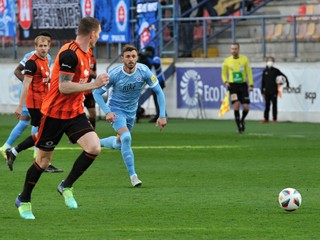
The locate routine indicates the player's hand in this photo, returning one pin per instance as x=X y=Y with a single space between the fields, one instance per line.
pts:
x=18 y=111
x=102 y=80
x=161 y=123
x=111 y=117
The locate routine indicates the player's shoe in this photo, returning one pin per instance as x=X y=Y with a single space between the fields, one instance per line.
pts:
x=10 y=158
x=3 y=151
x=53 y=169
x=136 y=182
x=67 y=193
x=242 y=126
x=25 y=209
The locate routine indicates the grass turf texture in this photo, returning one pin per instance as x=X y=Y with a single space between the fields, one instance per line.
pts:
x=201 y=180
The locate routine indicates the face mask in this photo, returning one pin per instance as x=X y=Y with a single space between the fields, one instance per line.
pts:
x=269 y=63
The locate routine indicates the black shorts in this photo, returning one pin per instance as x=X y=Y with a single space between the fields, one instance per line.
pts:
x=36 y=115
x=89 y=101
x=52 y=129
x=239 y=92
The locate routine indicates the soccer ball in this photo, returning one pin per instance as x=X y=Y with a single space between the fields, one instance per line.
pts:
x=290 y=199
x=280 y=79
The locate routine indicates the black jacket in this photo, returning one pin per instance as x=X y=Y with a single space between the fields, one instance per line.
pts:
x=269 y=85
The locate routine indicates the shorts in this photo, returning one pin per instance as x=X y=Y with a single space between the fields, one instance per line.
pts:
x=89 y=101
x=239 y=92
x=51 y=130
x=122 y=121
x=36 y=115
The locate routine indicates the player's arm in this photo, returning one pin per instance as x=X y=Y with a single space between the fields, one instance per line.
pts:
x=18 y=72
x=287 y=81
x=224 y=72
x=161 y=100
x=249 y=74
x=68 y=63
x=97 y=95
x=30 y=69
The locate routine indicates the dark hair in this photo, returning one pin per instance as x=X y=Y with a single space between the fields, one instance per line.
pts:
x=270 y=57
x=45 y=33
x=149 y=49
x=87 y=25
x=129 y=48
x=235 y=43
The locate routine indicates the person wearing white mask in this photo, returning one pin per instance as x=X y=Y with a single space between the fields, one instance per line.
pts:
x=269 y=89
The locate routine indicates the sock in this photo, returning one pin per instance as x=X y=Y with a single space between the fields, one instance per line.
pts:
x=27 y=143
x=110 y=142
x=237 y=117
x=17 y=131
x=127 y=153
x=32 y=177
x=79 y=167
x=244 y=114
x=92 y=120
x=34 y=130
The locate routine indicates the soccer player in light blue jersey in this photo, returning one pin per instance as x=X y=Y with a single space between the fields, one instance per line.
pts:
x=126 y=83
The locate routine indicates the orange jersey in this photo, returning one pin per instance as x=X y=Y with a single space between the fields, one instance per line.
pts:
x=93 y=67
x=37 y=69
x=73 y=61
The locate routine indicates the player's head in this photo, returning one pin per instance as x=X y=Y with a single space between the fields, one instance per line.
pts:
x=234 y=49
x=129 y=57
x=270 y=61
x=89 y=27
x=42 y=46
x=149 y=50
x=47 y=35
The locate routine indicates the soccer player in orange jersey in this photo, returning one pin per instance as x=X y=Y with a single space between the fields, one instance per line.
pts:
x=63 y=113
x=35 y=88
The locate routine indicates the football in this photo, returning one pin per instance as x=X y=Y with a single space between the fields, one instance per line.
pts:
x=280 y=79
x=290 y=199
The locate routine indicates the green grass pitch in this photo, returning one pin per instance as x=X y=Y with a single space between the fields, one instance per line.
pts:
x=201 y=180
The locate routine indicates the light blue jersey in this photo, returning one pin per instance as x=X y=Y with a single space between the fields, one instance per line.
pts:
x=125 y=89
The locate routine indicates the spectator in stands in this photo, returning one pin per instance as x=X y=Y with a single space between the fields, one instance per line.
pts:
x=209 y=6
x=269 y=88
x=236 y=74
x=186 y=28
x=149 y=58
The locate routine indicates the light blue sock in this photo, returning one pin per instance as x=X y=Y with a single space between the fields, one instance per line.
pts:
x=110 y=142
x=127 y=153
x=17 y=131
x=34 y=130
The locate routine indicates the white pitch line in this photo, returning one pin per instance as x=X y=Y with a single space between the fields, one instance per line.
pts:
x=163 y=147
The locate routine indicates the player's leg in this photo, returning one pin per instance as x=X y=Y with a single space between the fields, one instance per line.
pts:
x=123 y=127
x=90 y=104
x=79 y=131
x=267 y=107
x=112 y=142
x=45 y=152
x=274 y=100
x=245 y=100
x=16 y=132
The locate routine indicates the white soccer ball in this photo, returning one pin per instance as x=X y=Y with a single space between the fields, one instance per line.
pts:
x=290 y=199
x=280 y=79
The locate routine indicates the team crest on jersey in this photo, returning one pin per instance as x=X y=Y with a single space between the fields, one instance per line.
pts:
x=86 y=73
x=139 y=79
x=153 y=78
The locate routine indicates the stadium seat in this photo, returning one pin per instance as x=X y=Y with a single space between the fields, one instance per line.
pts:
x=311 y=29
x=316 y=11
x=287 y=30
x=316 y=34
x=301 y=31
x=269 y=31
x=277 y=31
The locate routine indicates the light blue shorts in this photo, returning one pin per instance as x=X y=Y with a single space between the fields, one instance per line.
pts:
x=122 y=121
